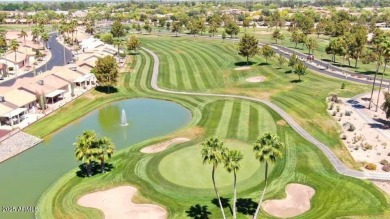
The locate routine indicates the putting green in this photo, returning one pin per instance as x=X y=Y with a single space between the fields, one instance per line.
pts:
x=184 y=167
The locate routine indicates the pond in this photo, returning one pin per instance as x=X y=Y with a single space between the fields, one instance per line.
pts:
x=25 y=177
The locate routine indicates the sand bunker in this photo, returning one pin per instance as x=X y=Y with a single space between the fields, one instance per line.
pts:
x=116 y=204
x=281 y=122
x=256 y=79
x=163 y=145
x=296 y=202
x=242 y=68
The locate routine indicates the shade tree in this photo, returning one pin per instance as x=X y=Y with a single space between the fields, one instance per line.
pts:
x=248 y=47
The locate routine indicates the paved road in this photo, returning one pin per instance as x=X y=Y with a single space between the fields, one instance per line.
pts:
x=337 y=164
x=57 y=59
x=282 y=50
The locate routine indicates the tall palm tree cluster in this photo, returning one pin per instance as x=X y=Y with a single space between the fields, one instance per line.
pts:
x=91 y=149
x=267 y=148
x=69 y=31
x=381 y=47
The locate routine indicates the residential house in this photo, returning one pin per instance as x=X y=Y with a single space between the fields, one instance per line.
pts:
x=14 y=60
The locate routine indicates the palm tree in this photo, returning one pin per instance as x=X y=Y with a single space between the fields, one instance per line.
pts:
x=379 y=44
x=232 y=160
x=3 y=43
x=85 y=151
x=267 y=149
x=45 y=38
x=386 y=57
x=212 y=153
x=35 y=33
x=62 y=30
x=14 y=47
x=24 y=35
x=105 y=148
x=3 y=48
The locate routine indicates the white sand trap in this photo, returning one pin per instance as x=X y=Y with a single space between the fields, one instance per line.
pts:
x=242 y=68
x=116 y=204
x=256 y=79
x=296 y=202
x=163 y=145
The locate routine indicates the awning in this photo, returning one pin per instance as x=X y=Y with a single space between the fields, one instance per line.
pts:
x=79 y=80
x=55 y=93
x=84 y=78
x=15 y=112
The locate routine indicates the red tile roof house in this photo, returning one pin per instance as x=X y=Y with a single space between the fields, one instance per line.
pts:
x=9 y=60
x=14 y=105
x=52 y=86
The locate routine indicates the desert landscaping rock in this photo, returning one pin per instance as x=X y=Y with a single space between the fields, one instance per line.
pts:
x=16 y=144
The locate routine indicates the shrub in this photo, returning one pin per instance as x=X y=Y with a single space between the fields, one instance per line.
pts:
x=334 y=113
x=351 y=128
x=343 y=85
x=370 y=166
x=366 y=146
x=341 y=114
x=384 y=162
x=348 y=113
x=386 y=168
x=331 y=106
x=334 y=98
x=338 y=108
x=10 y=68
x=358 y=138
x=343 y=136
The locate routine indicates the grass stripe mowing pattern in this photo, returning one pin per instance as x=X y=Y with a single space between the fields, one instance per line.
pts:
x=243 y=121
x=223 y=125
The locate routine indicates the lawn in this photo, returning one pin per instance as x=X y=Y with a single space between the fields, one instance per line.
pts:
x=265 y=36
x=238 y=122
x=11 y=27
x=209 y=66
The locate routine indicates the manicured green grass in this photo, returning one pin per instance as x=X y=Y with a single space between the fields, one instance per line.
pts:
x=305 y=101
x=179 y=167
x=265 y=35
x=11 y=27
x=336 y=195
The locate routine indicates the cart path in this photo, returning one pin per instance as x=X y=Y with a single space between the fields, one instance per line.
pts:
x=337 y=164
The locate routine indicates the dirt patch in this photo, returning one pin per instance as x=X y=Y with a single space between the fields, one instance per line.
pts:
x=163 y=145
x=363 y=130
x=281 y=123
x=256 y=79
x=242 y=68
x=384 y=186
x=296 y=202
x=116 y=203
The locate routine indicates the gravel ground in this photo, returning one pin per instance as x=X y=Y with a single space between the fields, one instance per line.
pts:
x=16 y=144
